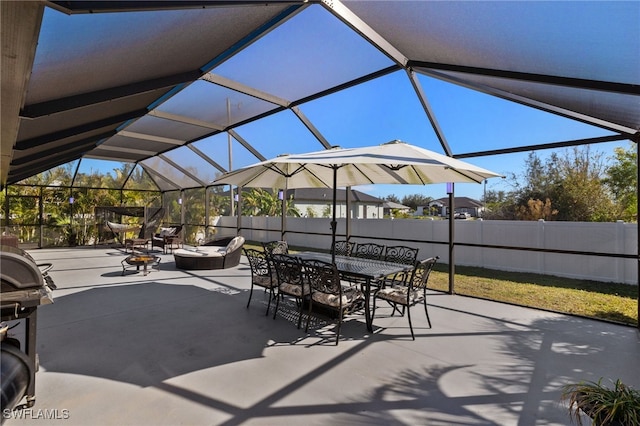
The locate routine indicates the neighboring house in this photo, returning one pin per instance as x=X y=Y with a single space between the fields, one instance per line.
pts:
x=389 y=206
x=440 y=207
x=317 y=202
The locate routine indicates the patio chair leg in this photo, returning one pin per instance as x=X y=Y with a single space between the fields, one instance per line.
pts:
x=427 y=312
x=300 y=314
x=410 y=325
x=306 y=329
x=339 y=326
x=277 y=304
x=250 y=294
x=373 y=311
x=393 y=305
x=269 y=303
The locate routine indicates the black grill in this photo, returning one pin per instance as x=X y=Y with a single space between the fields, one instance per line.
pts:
x=24 y=285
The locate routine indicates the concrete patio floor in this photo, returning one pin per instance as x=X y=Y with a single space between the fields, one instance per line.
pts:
x=180 y=348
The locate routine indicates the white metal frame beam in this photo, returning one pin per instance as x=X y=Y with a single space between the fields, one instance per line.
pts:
x=242 y=88
x=430 y=114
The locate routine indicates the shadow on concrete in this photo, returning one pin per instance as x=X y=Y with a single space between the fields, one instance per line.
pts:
x=147 y=333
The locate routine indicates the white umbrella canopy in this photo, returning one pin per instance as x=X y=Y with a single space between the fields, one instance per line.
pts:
x=394 y=162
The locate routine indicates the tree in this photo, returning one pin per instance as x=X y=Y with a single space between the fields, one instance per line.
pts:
x=261 y=202
x=415 y=200
x=622 y=180
x=326 y=212
x=393 y=198
x=499 y=205
x=219 y=202
x=582 y=195
x=536 y=210
x=258 y=202
x=571 y=181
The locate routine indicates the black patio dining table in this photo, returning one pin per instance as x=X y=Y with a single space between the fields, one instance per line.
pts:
x=367 y=270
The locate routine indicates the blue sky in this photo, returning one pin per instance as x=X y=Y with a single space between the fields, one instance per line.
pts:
x=314 y=51
x=471 y=121
x=385 y=109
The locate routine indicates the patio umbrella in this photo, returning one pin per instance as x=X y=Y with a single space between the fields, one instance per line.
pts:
x=394 y=162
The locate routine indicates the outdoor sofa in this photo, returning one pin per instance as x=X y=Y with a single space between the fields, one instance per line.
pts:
x=217 y=254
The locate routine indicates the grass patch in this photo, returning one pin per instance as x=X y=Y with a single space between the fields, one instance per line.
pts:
x=593 y=299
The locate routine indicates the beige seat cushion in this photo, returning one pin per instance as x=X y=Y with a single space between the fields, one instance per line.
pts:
x=211 y=251
x=349 y=295
x=234 y=243
x=265 y=281
x=200 y=253
x=399 y=295
x=165 y=232
x=294 y=289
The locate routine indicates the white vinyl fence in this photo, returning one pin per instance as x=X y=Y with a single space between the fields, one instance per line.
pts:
x=432 y=237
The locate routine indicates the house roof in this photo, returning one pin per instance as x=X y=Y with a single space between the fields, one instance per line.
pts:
x=392 y=205
x=459 y=202
x=324 y=194
x=153 y=83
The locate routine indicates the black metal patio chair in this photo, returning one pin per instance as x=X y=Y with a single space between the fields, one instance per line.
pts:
x=408 y=290
x=290 y=281
x=327 y=291
x=262 y=274
x=368 y=251
x=398 y=254
x=401 y=254
x=276 y=247
x=343 y=248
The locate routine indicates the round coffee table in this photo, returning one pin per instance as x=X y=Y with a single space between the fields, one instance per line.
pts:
x=143 y=260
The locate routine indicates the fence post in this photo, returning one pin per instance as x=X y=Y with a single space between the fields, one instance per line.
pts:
x=541 y=243
x=620 y=263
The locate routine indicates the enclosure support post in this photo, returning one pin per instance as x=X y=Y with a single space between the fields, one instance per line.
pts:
x=229 y=147
x=636 y=140
x=239 y=211
x=207 y=211
x=40 y=218
x=452 y=265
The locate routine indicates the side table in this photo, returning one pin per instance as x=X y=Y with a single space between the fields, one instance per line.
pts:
x=133 y=243
x=172 y=242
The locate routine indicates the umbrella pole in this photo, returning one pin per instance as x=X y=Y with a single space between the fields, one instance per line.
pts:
x=348 y=218
x=283 y=222
x=334 y=223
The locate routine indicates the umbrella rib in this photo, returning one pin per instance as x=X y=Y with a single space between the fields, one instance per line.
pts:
x=276 y=169
x=418 y=174
x=337 y=167
x=466 y=175
x=253 y=177
x=316 y=176
x=361 y=172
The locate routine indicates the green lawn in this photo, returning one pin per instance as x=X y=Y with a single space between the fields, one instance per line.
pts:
x=607 y=301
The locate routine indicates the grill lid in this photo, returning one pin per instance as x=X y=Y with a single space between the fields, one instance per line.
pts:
x=18 y=270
